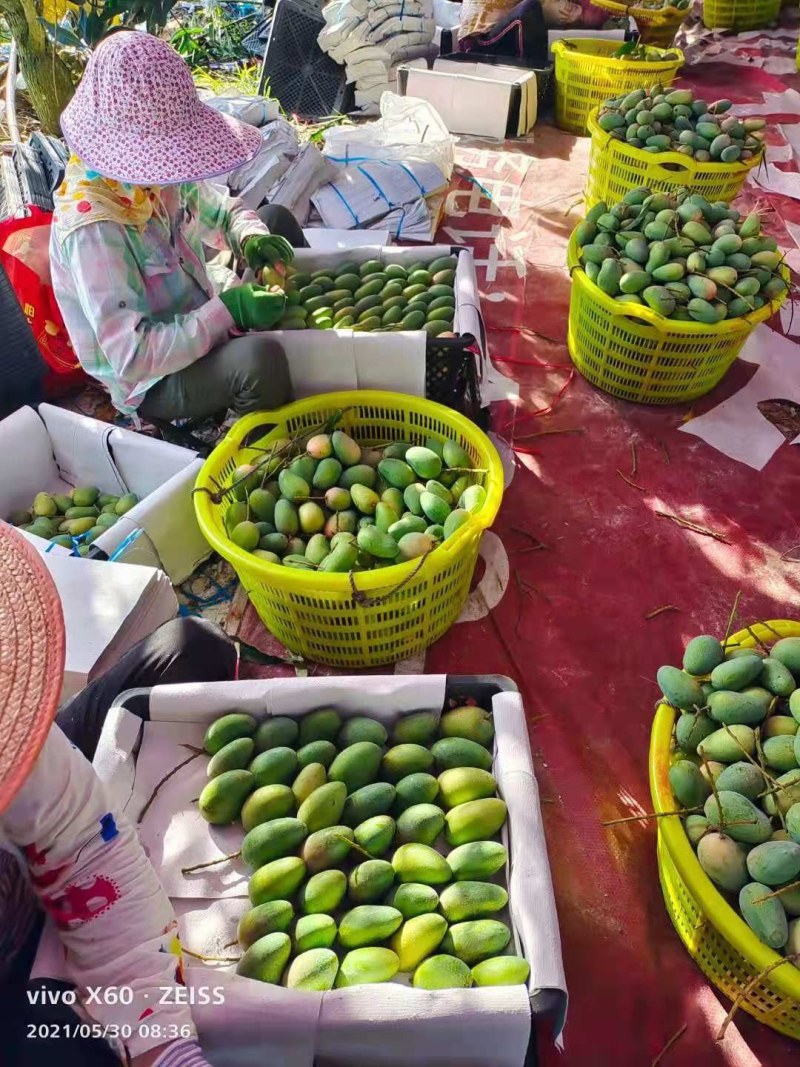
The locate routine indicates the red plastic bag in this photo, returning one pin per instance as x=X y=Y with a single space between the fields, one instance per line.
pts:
x=25 y=255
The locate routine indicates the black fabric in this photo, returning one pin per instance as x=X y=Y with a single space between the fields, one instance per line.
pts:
x=280 y=221
x=182 y=650
x=22 y=368
x=521 y=34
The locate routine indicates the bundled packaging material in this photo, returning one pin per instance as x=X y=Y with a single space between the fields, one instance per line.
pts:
x=370 y=37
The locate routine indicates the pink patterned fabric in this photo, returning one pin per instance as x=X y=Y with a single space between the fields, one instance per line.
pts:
x=136 y=118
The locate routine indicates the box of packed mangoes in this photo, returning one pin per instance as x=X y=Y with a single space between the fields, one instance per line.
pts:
x=406 y=320
x=358 y=863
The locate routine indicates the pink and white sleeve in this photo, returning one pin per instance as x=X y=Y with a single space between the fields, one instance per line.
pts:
x=93 y=878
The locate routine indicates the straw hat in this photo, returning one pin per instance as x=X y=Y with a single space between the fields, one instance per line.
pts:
x=31 y=658
x=136 y=118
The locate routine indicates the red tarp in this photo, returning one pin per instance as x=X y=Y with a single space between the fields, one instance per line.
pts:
x=567 y=622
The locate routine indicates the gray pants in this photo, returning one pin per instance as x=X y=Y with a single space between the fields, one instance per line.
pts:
x=245 y=374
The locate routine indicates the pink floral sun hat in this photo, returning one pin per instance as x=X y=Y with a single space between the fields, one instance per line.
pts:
x=136 y=118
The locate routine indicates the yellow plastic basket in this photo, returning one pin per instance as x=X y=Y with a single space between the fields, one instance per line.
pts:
x=630 y=351
x=656 y=27
x=739 y=14
x=616 y=167
x=587 y=75
x=721 y=943
x=372 y=617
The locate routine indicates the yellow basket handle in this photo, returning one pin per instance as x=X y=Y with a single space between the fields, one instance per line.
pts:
x=638 y=311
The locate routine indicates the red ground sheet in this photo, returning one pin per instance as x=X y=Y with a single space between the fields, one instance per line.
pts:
x=567 y=621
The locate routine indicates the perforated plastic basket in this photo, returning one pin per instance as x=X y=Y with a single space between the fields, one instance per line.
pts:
x=630 y=351
x=724 y=947
x=739 y=14
x=587 y=75
x=616 y=167
x=372 y=617
x=656 y=27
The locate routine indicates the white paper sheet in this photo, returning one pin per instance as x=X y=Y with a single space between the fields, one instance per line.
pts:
x=736 y=427
x=358 y=1027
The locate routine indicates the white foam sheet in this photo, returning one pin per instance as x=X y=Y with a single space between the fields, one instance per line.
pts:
x=736 y=427
x=488 y=1027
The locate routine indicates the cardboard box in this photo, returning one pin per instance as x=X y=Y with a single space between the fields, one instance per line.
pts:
x=475 y=98
x=391 y=1024
x=325 y=361
x=55 y=450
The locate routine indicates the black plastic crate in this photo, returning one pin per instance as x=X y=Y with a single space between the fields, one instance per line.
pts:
x=295 y=70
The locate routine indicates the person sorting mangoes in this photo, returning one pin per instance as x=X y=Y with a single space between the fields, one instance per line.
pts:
x=131 y=221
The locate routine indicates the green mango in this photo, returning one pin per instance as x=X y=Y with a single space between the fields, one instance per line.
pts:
x=688 y=784
x=776 y=677
x=369 y=881
x=728 y=744
x=417 y=788
x=433 y=507
x=779 y=753
x=235 y=756
x=421 y=863
x=442 y=972
x=735 y=674
x=414 y=898
x=286 y=518
x=265 y=804
x=311 y=777
x=691 y=728
x=746 y=708
x=375 y=835
x=476 y=940
x=741 y=777
x=501 y=970
x=327 y=848
x=723 y=860
x=85 y=496
x=405 y=759
x=323 y=892
x=774 y=863
x=272 y=841
x=473 y=723
x=738 y=817
x=370 y=800
x=787 y=652
x=679 y=688
x=368 y=924
x=324 y=807
x=314 y=970
x=460 y=752
x=276 y=766
x=122 y=506
x=81 y=513
x=702 y=655
x=266 y=959
x=278 y=880
x=361 y=474
x=477 y=861
x=376 y=542
x=779 y=726
x=418 y=728
x=323 y=752
x=766 y=918
x=696 y=826
x=420 y=822
x=367 y=966
x=20 y=517
x=397 y=473
x=471 y=900
x=787 y=795
x=417 y=939
x=322 y=725
x=793 y=830
x=314 y=931
x=273 y=917
x=361 y=728
x=222 y=798
x=345 y=448
x=476 y=820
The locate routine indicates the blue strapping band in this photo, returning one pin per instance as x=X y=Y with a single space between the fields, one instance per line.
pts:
x=413 y=177
x=376 y=186
x=343 y=199
x=124 y=544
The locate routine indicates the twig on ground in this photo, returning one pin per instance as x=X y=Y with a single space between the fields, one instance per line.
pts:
x=787 y=556
x=687 y=524
x=665 y=450
x=634 y=485
x=211 y=863
x=669 y=1044
x=634 y=463
x=548 y=433
x=660 y=611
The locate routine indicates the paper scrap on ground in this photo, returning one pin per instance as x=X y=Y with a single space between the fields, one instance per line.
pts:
x=736 y=427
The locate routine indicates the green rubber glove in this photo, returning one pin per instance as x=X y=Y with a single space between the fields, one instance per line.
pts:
x=265 y=250
x=253 y=307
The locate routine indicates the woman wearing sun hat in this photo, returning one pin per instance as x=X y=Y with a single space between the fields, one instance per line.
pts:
x=131 y=221
x=83 y=858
